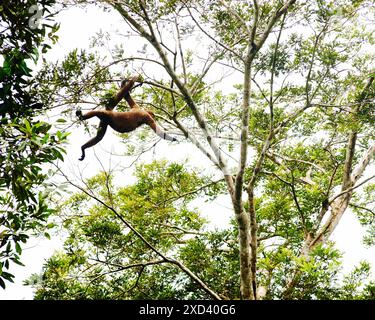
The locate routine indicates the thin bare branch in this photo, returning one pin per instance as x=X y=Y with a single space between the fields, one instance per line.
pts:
x=351 y=188
x=161 y=86
x=273 y=70
x=207 y=185
x=179 y=44
x=362 y=208
x=228 y=49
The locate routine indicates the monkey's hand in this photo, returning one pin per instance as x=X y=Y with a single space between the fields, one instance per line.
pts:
x=79 y=115
x=83 y=153
x=140 y=79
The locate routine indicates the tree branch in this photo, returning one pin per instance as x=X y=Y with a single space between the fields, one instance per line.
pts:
x=192 y=191
x=362 y=208
x=271 y=102
x=351 y=188
x=211 y=37
x=367 y=156
x=272 y=22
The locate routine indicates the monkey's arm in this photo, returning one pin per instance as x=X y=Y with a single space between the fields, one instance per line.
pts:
x=99 y=136
x=124 y=90
x=132 y=104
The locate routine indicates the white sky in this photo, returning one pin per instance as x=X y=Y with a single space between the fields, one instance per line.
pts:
x=77 y=26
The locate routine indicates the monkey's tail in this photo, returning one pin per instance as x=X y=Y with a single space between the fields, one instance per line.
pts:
x=162 y=134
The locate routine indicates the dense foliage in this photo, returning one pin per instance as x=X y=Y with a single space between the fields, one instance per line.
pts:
x=26 y=142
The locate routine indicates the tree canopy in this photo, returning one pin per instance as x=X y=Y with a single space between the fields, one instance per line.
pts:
x=102 y=259
x=26 y=142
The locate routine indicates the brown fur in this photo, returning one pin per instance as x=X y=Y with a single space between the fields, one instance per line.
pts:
x=121 y=121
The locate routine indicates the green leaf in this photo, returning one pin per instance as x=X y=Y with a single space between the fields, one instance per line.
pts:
x=18 y=248
x=2 y=283
x=7 y=276
x=24 y=68
x=27 y=125
x=17 y=261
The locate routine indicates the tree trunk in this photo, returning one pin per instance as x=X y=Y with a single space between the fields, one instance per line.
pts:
x=243 y=223
x=253 y=242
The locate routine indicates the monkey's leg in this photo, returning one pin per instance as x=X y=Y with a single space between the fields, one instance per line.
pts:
x=99 y=136
x=94 y=113
x=159 y=131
